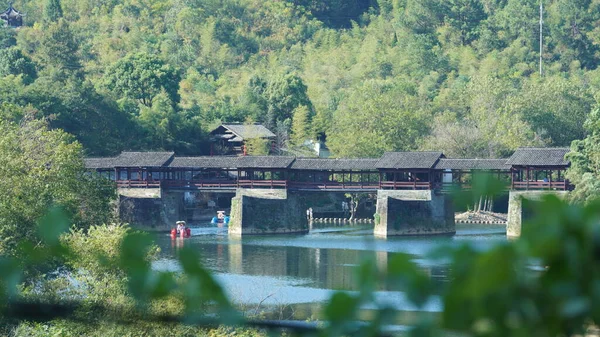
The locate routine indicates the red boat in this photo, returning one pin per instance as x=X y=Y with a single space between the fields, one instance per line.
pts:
x=182 y=231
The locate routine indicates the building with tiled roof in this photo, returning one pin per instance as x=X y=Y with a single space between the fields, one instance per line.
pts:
x=231 y=139
x=12 y=17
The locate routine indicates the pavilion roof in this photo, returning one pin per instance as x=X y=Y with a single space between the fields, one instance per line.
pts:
x=245 y=131
x=204 y=162
x=472 y=164
x=265 y=162
x=321 y=164
x=535 y=156
x=143 y=159
x=10 y=12
x=409 y=160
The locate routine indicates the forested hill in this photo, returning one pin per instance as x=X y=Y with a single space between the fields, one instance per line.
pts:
x=454 y=75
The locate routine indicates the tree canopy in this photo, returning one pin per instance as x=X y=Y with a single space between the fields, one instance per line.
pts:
x=433 y=69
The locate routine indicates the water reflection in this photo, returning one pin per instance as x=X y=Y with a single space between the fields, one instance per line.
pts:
x=305 y=269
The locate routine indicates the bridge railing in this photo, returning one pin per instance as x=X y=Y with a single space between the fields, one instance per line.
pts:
x=333 y=185
x=263 y=183
x=541 y=185
x=213 y=183
x=137 y=184
x=406 y=185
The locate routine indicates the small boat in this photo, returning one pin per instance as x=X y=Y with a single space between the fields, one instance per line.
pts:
x=220 y=218
x=181 y=230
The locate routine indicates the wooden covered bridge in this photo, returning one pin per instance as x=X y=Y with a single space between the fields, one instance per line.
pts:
x=526 y=169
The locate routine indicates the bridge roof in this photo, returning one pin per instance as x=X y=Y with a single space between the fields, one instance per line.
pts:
x=320 y=164
x=204 y=162
x=472 y=164
x=265 y=162
x=534 y=156
x=99 y=163
x=409 y=160
x=143 y=159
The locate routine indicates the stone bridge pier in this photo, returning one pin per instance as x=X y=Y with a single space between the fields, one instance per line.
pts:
x=518 y=212
x=413 y=212
x=267 y=211
x=150 y=209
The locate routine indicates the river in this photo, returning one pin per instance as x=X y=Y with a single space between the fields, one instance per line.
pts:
x=291 y=276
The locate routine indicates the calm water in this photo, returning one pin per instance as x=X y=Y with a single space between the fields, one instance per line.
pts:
x=292 y=276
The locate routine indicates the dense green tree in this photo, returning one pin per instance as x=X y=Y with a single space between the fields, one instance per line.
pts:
x=585 y=160
x=58 y=48
x=375 y=117
x=570 y=23
x=555 y=107
x=141 y=77
x=53 y=10
x=283 y=94
x=300 y=125
x=165 y=127
x=7 y=38
x=337 y=13
x=465 y=16
x=43 y=168
x=13 y=62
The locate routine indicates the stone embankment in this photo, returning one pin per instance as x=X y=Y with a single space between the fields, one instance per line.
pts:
x=486 y=218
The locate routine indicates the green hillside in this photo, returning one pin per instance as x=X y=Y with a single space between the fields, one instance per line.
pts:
x=460 y=76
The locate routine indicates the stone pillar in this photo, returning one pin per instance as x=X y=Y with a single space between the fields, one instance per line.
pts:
x=517 y=214
x=411 y=212
x=149 y=208
x=266 y=211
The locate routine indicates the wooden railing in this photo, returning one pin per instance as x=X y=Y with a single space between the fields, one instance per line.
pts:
x=262 y=183
x=333 y=185
x=541 y=185
x=216 y=183
x=137 y=184
x=406 y=185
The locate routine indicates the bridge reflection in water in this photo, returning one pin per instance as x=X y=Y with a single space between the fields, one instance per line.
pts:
x=299 y=271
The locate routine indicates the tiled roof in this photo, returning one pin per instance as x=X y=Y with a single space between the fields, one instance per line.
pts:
x=99 y=163
x=409 y=160
x=265 y=161
x=334 y=164
x=531 y=156
x=10 y=12
x=143 y=159
x=472 y=164
x=204 y=162
x=245 y=131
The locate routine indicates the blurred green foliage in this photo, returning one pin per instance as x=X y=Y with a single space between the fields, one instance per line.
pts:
x=542 y=284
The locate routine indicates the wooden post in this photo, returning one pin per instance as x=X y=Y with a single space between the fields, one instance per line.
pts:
x=414 y=178
x=527 y=180
x=512 y=178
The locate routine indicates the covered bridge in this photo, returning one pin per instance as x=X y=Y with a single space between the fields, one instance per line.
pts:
x=527 y=168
